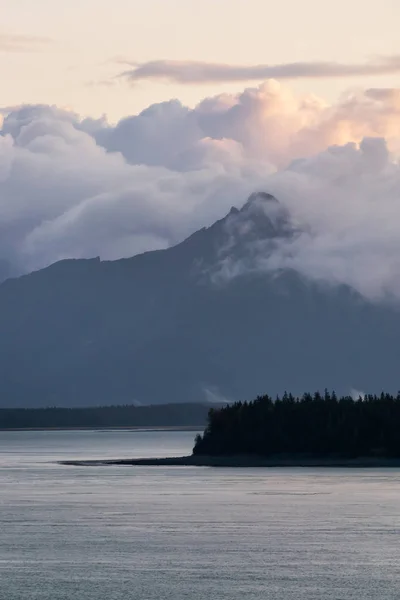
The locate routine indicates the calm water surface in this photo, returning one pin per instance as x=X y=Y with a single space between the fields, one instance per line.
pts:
x=154 y=533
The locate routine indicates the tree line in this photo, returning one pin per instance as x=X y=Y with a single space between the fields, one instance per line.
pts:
x=160 y=415
x=312 y=425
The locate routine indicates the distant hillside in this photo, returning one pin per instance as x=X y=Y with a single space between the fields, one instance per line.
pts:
x=167 y=415
x=6 y=271
x=165 y=326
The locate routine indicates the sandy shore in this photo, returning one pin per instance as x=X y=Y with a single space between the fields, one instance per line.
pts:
x=241 y=462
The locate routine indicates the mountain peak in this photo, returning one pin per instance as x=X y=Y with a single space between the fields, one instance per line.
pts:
x=260 y=197
x=262 y=217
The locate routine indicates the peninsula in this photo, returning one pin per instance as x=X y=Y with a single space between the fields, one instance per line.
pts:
x=311 y=431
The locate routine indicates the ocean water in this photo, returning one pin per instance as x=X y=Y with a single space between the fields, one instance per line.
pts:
x=154 y=533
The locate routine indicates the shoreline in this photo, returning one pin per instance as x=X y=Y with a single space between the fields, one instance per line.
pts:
x=171 y=428
x=240 y=462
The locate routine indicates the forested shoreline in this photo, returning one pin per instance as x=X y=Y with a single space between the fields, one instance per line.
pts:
x=319 y=425
x=157 y=415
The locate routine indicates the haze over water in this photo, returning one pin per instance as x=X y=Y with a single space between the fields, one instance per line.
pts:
x=116 y=533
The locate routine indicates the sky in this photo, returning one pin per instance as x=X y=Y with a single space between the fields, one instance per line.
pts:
x=127 y=125
x=73 y=62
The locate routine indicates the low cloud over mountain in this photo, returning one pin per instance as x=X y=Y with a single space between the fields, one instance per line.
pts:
x=73 y=187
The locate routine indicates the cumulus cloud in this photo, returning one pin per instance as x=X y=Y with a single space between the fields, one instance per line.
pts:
x=269 y=123
x=22 y=43
x=81 y=187
x=196 y=72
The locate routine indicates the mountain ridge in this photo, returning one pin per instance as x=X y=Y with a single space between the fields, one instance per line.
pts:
x=157 y=327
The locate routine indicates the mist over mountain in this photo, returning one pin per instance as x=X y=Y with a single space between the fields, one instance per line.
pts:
x=198 y=321
x=79 y=187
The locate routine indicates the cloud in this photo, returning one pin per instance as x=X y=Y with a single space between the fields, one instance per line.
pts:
x=344 y=206
x=64 y=195
x=356 y=394
x=214 y=396
x=389 y=95
x=269 y=123
x=82 y=187
x=196 y=72
x=22 y=43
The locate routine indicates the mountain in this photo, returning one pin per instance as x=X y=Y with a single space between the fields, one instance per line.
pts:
x=7 y=271
x=194 y=322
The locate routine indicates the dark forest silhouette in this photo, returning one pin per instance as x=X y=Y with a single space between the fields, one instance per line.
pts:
x=314 y=425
